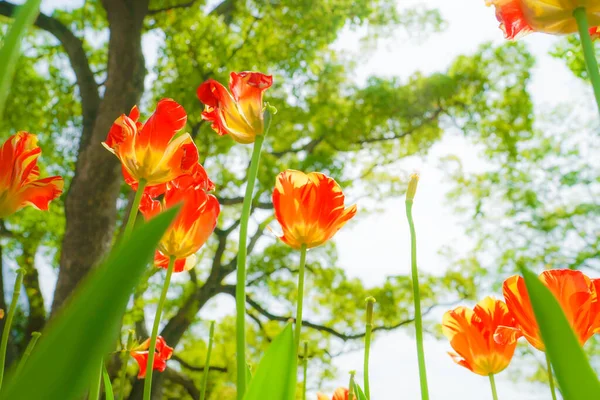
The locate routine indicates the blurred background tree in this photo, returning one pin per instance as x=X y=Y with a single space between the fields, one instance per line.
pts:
x=85 y=66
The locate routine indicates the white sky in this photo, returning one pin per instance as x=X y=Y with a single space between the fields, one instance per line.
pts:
x=367 y=246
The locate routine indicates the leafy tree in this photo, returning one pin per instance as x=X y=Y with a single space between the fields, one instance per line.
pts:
x=84 y=67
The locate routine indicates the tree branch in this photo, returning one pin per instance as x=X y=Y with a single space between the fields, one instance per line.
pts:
x=186 y=365
x=173 y=7
x=182 y=380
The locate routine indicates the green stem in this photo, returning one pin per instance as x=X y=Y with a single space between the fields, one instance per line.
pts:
x=124 y=360
x=493 y=385
x=368 y=331
x=9 y=318
x=240 y=288
x=351 y=394
x=589 y=52
x=300 y=297
x=550 y=377
x=211 y=336
x=152 y=348
x=305 y=369
x=34 y=338
x=96 y=381
x=417 y=301
x=134 y=209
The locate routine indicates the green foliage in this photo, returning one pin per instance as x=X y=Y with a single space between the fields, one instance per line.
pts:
x=67 y=353
x=575 y=376
x=275 y=377
x=108 y=390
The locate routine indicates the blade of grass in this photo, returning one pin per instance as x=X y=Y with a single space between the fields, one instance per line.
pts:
x=574 y=374
x=108 y=391
x=9 y=53
x=86 y=329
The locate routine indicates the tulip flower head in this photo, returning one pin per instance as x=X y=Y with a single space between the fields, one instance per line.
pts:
x=150 y=151
x=161 y=354
x=309 y=208
x=339 y=394
x=194 y=223
x=239 y=113
x=576 y=293
x=520 y=17
x=20 y=185
x=471 y=335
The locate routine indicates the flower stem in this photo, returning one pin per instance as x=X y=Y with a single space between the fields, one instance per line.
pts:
x=300 y=296
x=211 y=336
x=96 y=381
x=9 y=318
x=550 y=377
x=588 y=51
x=34 y=338
x=240 y=288
x=417 y=301
x=351 y=394
x=124 y=360
x=368 y=331
x=493 y=385
x=152 y=348
x=134 y=209
x=304 y=369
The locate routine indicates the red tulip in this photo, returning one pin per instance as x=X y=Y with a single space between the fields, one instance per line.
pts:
x=161 y=354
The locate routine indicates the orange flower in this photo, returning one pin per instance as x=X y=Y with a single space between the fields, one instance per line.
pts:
x=520 y=17
x=19 y=173
x=471 y=335
x=339 y=394
x=576 y=293
x=162 y=353
x=240 y=113
x=194 y=223
x=309 y=208
x=149 y=151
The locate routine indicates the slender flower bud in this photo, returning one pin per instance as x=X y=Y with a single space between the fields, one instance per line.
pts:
x=370 y=304
x=412 y=187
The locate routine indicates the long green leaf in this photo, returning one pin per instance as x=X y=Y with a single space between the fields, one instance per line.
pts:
x=84 y=331
x=9 y=53
x=275 y=377
x=575 y=376
x=360 y=395
x=108 y=391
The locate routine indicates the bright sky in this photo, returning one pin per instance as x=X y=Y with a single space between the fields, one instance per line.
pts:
x=367 y=246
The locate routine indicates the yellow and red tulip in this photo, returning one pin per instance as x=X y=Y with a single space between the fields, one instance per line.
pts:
x=152 y=152
x=309 y=207
x=20 y=185
x=339 y=394
x=576 y=293
x=239 y=113
x=161 y=354
x=471 y=335
x=194 y=223
x=520 y=17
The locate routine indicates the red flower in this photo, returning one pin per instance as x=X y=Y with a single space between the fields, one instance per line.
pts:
x=520 y=17
x=240 y=113
x=161 y=354
x=471 y=335
x=19 y=173
x=576 y=293
x=309 y=208
x=194 y=223
x=151 y=151
x=339 y=394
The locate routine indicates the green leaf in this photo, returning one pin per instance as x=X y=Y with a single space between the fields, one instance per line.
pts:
x=275 y=377
x=9 y=53
x=85 y=330
x=108 y=391
x=248 y=373
x=360 y=395
x=575 y=376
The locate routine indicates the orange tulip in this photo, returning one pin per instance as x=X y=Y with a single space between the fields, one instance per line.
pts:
x=19 y=173
x=239 y=113
x=194 y=223
x=576 y=293
x=471 y=335
x=520 y=17
x=162 y=353
x=150 y=151
x=309 y=208
x=339 y=394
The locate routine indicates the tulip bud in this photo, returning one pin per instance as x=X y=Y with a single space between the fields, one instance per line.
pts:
x=412 y=187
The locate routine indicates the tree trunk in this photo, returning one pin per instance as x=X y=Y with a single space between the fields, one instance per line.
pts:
x=90 y=205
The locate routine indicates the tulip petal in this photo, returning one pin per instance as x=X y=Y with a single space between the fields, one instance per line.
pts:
x=168 y=119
